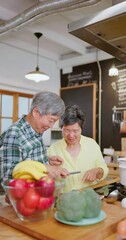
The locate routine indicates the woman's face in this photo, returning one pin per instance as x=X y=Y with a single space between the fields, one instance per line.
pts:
x=72 y=133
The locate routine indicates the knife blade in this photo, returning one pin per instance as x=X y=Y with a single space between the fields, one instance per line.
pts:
x=75 y=172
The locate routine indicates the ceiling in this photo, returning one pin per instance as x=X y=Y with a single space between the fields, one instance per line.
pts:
x=20 y=19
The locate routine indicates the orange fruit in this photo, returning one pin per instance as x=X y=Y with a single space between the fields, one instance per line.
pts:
x=121 y=228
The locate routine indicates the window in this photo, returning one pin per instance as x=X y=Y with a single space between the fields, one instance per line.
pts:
x=12 y=106
x=23 y=105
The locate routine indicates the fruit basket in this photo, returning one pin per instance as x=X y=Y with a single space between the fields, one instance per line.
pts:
x=32 y=200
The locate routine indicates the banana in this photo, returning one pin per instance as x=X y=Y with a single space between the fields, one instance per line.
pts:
x=29 y=169
x=25 y=176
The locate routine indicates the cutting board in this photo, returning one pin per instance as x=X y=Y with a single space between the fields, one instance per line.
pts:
x=50 y=229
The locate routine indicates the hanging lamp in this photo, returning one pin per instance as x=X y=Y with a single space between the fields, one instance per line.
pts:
x=113 y=71
x=37 y=75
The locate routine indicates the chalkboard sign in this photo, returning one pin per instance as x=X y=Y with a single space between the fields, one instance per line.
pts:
x=84 y=96
x=83 y=74
x=121 y=86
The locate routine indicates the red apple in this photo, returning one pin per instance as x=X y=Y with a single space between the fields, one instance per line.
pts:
x=46 y=186
x=45 y=202
x=31 y=183
x=31 y=198
x=17 y=188
x=22 y=209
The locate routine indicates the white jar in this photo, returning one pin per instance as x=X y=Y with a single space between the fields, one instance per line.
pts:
x=122 y=170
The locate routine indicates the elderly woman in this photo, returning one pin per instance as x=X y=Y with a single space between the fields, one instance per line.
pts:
x=79 y=153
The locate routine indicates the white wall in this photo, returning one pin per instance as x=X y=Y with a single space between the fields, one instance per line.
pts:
x=15 y=63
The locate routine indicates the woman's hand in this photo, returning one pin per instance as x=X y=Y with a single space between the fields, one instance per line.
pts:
x=55 y=161
x=56 y=171
x=93 y=174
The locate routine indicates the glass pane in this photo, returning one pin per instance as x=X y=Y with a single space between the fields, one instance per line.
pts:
x=23 y=106
x=5 y=123
x=30 y=101
x=0 y=104
x=7 y=106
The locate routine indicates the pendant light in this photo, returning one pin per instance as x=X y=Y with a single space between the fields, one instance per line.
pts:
x=37 y=75
x=113 y=71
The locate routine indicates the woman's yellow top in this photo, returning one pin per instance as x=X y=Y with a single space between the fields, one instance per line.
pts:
x=90 y=156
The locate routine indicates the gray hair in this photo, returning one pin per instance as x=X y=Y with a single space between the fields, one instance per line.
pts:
x=48 y=103
x=73 y=114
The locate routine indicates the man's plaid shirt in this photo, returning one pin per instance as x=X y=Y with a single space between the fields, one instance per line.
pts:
x=18 y=143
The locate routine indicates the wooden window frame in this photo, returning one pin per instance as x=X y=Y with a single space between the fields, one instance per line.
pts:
x=15 y=96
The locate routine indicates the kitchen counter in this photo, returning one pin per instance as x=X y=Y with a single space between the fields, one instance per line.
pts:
x=107 y=181
x=111 y=237
x=12 y=228
x=8 y=233
x=50 y=229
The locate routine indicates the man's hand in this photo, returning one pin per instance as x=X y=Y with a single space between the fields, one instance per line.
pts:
x=93 y=174
x=56 y=171
x=55 y=161
x=7 y=199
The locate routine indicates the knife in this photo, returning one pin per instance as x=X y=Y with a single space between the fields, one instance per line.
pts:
x=70 y=173
x=75 y=172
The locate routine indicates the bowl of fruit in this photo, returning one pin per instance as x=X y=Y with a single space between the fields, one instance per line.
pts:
x=32 y=200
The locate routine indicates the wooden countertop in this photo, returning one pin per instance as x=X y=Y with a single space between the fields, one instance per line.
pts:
x=107 y=181
x=8 y=232
x=111 y=237
x=50 y=229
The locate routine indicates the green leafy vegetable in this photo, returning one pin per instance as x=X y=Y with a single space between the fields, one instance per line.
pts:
x=75 y=205
x=94 y=203
x=71 y=206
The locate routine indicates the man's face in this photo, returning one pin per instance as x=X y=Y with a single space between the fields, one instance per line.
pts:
x=43 y=122
x=46 y=122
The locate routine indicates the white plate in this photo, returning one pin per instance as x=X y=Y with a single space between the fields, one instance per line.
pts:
x=84 y=221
